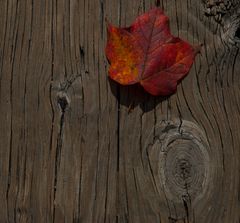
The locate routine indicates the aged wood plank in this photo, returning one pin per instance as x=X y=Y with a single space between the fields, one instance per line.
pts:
x=76 y=147
x=25 y=111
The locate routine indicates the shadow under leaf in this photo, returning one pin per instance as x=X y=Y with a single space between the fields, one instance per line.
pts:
x=134 y=95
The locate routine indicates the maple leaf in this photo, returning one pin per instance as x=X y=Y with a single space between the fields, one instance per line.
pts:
x=147 y=53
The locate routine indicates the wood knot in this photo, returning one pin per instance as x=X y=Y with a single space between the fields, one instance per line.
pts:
x=237 y=33
x=63 y=101
x=218 y=8
x=180 y=160
x=183 y=165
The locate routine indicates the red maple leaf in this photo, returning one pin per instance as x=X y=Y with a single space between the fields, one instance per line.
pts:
x=147 y=53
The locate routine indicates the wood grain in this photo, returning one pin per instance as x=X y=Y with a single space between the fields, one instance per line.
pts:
x=76 y=147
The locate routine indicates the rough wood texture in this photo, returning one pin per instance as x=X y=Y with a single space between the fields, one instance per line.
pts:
x=71 y=150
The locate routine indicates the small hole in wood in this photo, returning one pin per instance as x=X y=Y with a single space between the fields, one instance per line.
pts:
x=82 y=53
x=237 y=33
x=63 y=103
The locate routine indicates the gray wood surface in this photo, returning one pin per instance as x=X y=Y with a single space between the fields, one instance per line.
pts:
x=76 y=147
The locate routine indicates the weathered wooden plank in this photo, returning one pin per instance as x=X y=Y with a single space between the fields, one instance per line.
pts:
x=26 y=115
x=76 y=147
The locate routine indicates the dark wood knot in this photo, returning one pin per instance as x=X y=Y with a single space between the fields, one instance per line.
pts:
x=237 y=33
x=63 y=101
